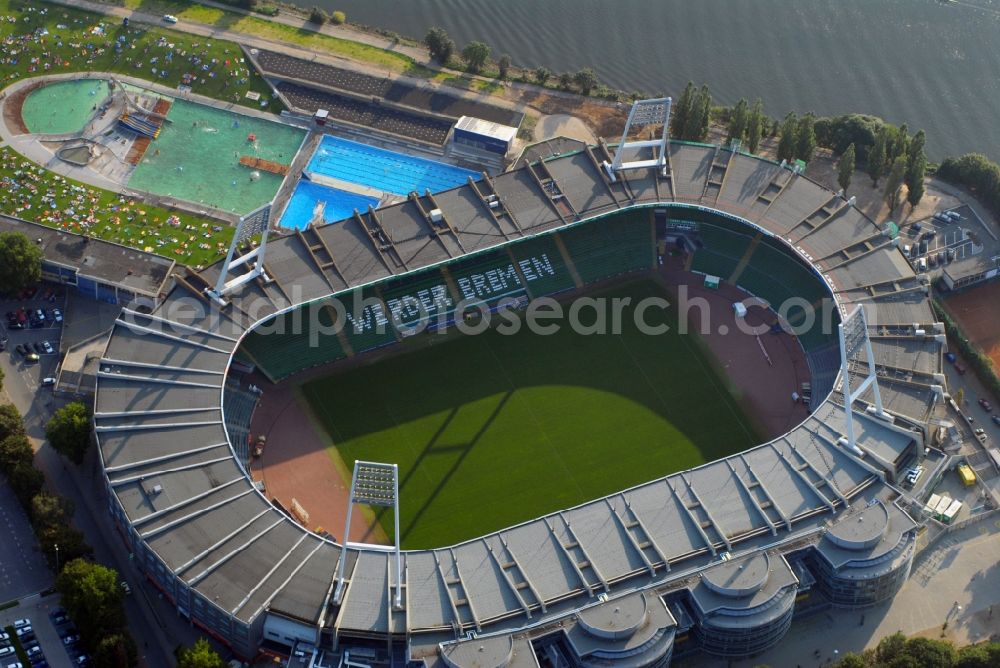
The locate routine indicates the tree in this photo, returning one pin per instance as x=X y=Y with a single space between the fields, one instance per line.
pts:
x=317 y=16
x=704 y=113
x=542 y=74
x=894 y=183
x=789 y=137
x=851 y=660
x=756 y=126
x=10 y=421
x=70 y=541
x=441 y=46
x=14 y=450
x=199 y=655
x=47 y=509
x=983 y=655
x=92 y=597
x=681 y=111
x=899 y=141
x=116 y=651
x=916 y=169
x=338 y=18
x=68 y=431
x=565 y=80
x=586 y=80
x=25 y=481
x=20 y=262
x=503 y=65
x=805 y=137
x=739 y=120
x=698 y=116
x=476 y=55
x=845 y=168
x=1 y=380
x=877 y=156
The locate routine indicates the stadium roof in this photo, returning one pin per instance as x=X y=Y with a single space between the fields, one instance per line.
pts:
x=166 y=454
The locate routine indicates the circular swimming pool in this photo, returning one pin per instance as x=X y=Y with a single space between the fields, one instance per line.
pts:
x=64 y=106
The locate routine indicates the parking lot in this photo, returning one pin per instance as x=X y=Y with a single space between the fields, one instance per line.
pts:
x=41 y=629
x=938 y=240
x=31 y=334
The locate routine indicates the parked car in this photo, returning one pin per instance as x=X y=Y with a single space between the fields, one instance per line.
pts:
x=47 y=347
x=125 y=587
x=996 y=420
x=46 y=382
x=31 y=358
x=57 y=315
x=19 y=623
x=21 y=349
x=959 y=368
x=71 y=639
x=38 y=347
x=981 y=435
x=986 y=405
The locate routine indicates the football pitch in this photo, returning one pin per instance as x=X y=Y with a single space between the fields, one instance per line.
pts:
x=493 y=430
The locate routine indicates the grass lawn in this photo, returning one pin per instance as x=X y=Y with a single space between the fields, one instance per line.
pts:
x=33 y=193
x=34 y=44
x=493 y=430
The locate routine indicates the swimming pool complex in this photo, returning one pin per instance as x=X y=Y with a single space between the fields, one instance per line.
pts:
x=338 y=204
x=384 y=170
x=196 y=157
x=368 y=166
x=64 y=106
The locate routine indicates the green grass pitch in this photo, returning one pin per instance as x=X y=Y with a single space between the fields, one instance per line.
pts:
x=491 y=430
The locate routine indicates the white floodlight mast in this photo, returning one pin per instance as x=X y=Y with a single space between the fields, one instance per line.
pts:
x=853 y=331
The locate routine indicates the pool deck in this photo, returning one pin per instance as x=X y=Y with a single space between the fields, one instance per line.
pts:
x=32 y=146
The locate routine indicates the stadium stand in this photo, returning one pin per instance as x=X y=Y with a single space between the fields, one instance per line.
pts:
x=385 y=119
x=282 y=345
x=239 y=404
x=487 y=279
x=824 y=365
x=391 y=90
x=544 y=249
x=613 y=246
x=722 y=250
x=366 y=328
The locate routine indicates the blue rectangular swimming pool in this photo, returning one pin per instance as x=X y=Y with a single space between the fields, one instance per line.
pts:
x=307 y=195
x=384 y=170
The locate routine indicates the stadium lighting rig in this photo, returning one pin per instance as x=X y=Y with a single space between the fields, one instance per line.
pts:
x=854 y=339
x=643 y=112
x=254 y=223
x=373 y=484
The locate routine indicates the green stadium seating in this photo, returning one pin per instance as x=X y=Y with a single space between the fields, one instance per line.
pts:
x=610 y=246
x=487 y=278
x=371 y=335
x=544 y=250
x=279 y=356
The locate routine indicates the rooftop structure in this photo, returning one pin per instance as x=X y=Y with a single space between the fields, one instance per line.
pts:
x=97 y=268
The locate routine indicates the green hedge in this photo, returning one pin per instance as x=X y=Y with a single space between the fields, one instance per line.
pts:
x=979 y=362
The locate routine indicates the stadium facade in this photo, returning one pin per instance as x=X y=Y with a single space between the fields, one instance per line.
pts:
x=717 y=558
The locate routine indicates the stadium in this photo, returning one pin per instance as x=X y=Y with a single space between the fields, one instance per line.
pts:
x=717 y=558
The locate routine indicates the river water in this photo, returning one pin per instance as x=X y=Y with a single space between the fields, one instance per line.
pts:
x=932 y=64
